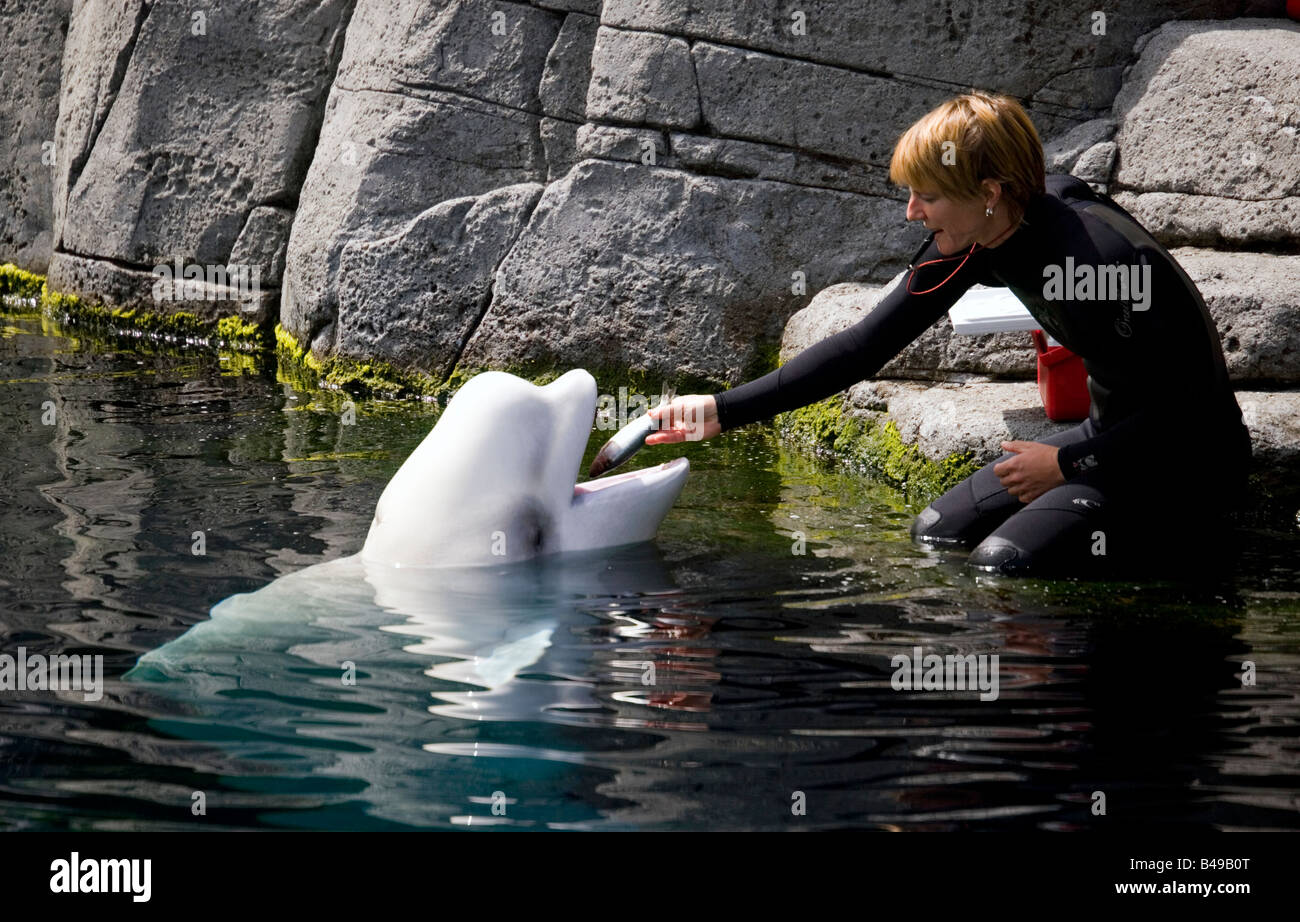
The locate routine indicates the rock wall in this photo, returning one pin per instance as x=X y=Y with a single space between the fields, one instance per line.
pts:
x=1208 y=147
x=183 y=138
x=31 y=49
x=647 y=184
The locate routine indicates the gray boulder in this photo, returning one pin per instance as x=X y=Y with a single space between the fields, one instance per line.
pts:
x=643 y=79
x=124 y=287
x=631 y=145
x=99 y=45
x=1209 y=151
x=559 y=146
x=1177 y=219
x=177 y=122
x=1254 y=299
x=177 y=138
x=946 y=419
x=477 y=49
x=184 y=134
x=262 y=242
x=590 y=7
x=566 y=76
x=1061 y=152
x=431 y=102
x=674 y=274
x=1096 y=163
x=1273 y=418
x=567 y=73
x=799 y=104
x=749 y=160
x=1047 y=54
x=414 y=298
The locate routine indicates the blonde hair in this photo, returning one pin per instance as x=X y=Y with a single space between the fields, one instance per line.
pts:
x=954 y=147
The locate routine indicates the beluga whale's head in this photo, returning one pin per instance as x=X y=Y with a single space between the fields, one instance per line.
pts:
x=495 y=482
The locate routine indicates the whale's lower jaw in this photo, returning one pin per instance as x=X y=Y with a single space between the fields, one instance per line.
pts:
x=623 y=509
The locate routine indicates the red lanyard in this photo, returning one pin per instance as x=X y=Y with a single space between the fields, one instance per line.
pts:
x=943 y=260
x=928 y=262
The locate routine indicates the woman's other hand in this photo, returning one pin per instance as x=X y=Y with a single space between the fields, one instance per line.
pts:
x=688 y=418
x=1032 y=471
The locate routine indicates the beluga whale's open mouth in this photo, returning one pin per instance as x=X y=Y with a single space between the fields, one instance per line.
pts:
x=495 y=482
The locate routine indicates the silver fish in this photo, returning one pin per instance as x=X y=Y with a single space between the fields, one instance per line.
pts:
x=625 y=443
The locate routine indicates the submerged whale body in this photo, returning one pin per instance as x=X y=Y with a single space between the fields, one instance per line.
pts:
x=347 y=687
x=477 y=626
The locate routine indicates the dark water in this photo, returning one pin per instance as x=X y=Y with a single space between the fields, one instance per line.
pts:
x=526 y=705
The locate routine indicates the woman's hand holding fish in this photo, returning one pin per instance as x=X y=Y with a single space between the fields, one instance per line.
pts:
x=688 y=418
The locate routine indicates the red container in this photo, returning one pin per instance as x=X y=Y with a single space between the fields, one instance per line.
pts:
x=1062 y=381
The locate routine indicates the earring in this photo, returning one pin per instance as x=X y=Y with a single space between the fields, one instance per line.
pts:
x=988 y=212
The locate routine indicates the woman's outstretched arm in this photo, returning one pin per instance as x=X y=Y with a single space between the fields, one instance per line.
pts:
x=856 y=353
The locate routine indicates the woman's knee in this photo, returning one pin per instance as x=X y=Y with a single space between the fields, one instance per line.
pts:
x=967 y=512
x=957 y=518
x=1063 y=531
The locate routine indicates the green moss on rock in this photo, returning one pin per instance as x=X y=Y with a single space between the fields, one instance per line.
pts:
x=297 y=366
x=287 y=345
x=237 y=329
x=767 y=357
x=180 y=323
x=19 y=283
x=375 y=377
x=875 y=446
x=608 y=379
x=231 y=329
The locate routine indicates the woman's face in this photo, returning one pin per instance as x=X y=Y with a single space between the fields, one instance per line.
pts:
x=957 y=223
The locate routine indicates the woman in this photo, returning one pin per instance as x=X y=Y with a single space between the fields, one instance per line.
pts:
x=1164 y=423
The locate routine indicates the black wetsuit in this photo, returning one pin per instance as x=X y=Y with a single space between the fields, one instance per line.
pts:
x=1164 y=446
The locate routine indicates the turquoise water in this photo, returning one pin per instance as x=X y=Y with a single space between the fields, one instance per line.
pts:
x=521 y=701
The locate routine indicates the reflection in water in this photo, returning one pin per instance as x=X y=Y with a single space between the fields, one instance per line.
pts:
x=383 y=644
x=706 y=681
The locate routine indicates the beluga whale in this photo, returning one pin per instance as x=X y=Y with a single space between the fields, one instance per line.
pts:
x=495 y=482
x=481 y=544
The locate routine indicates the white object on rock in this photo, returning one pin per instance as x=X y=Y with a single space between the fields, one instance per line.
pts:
x=991 y=310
